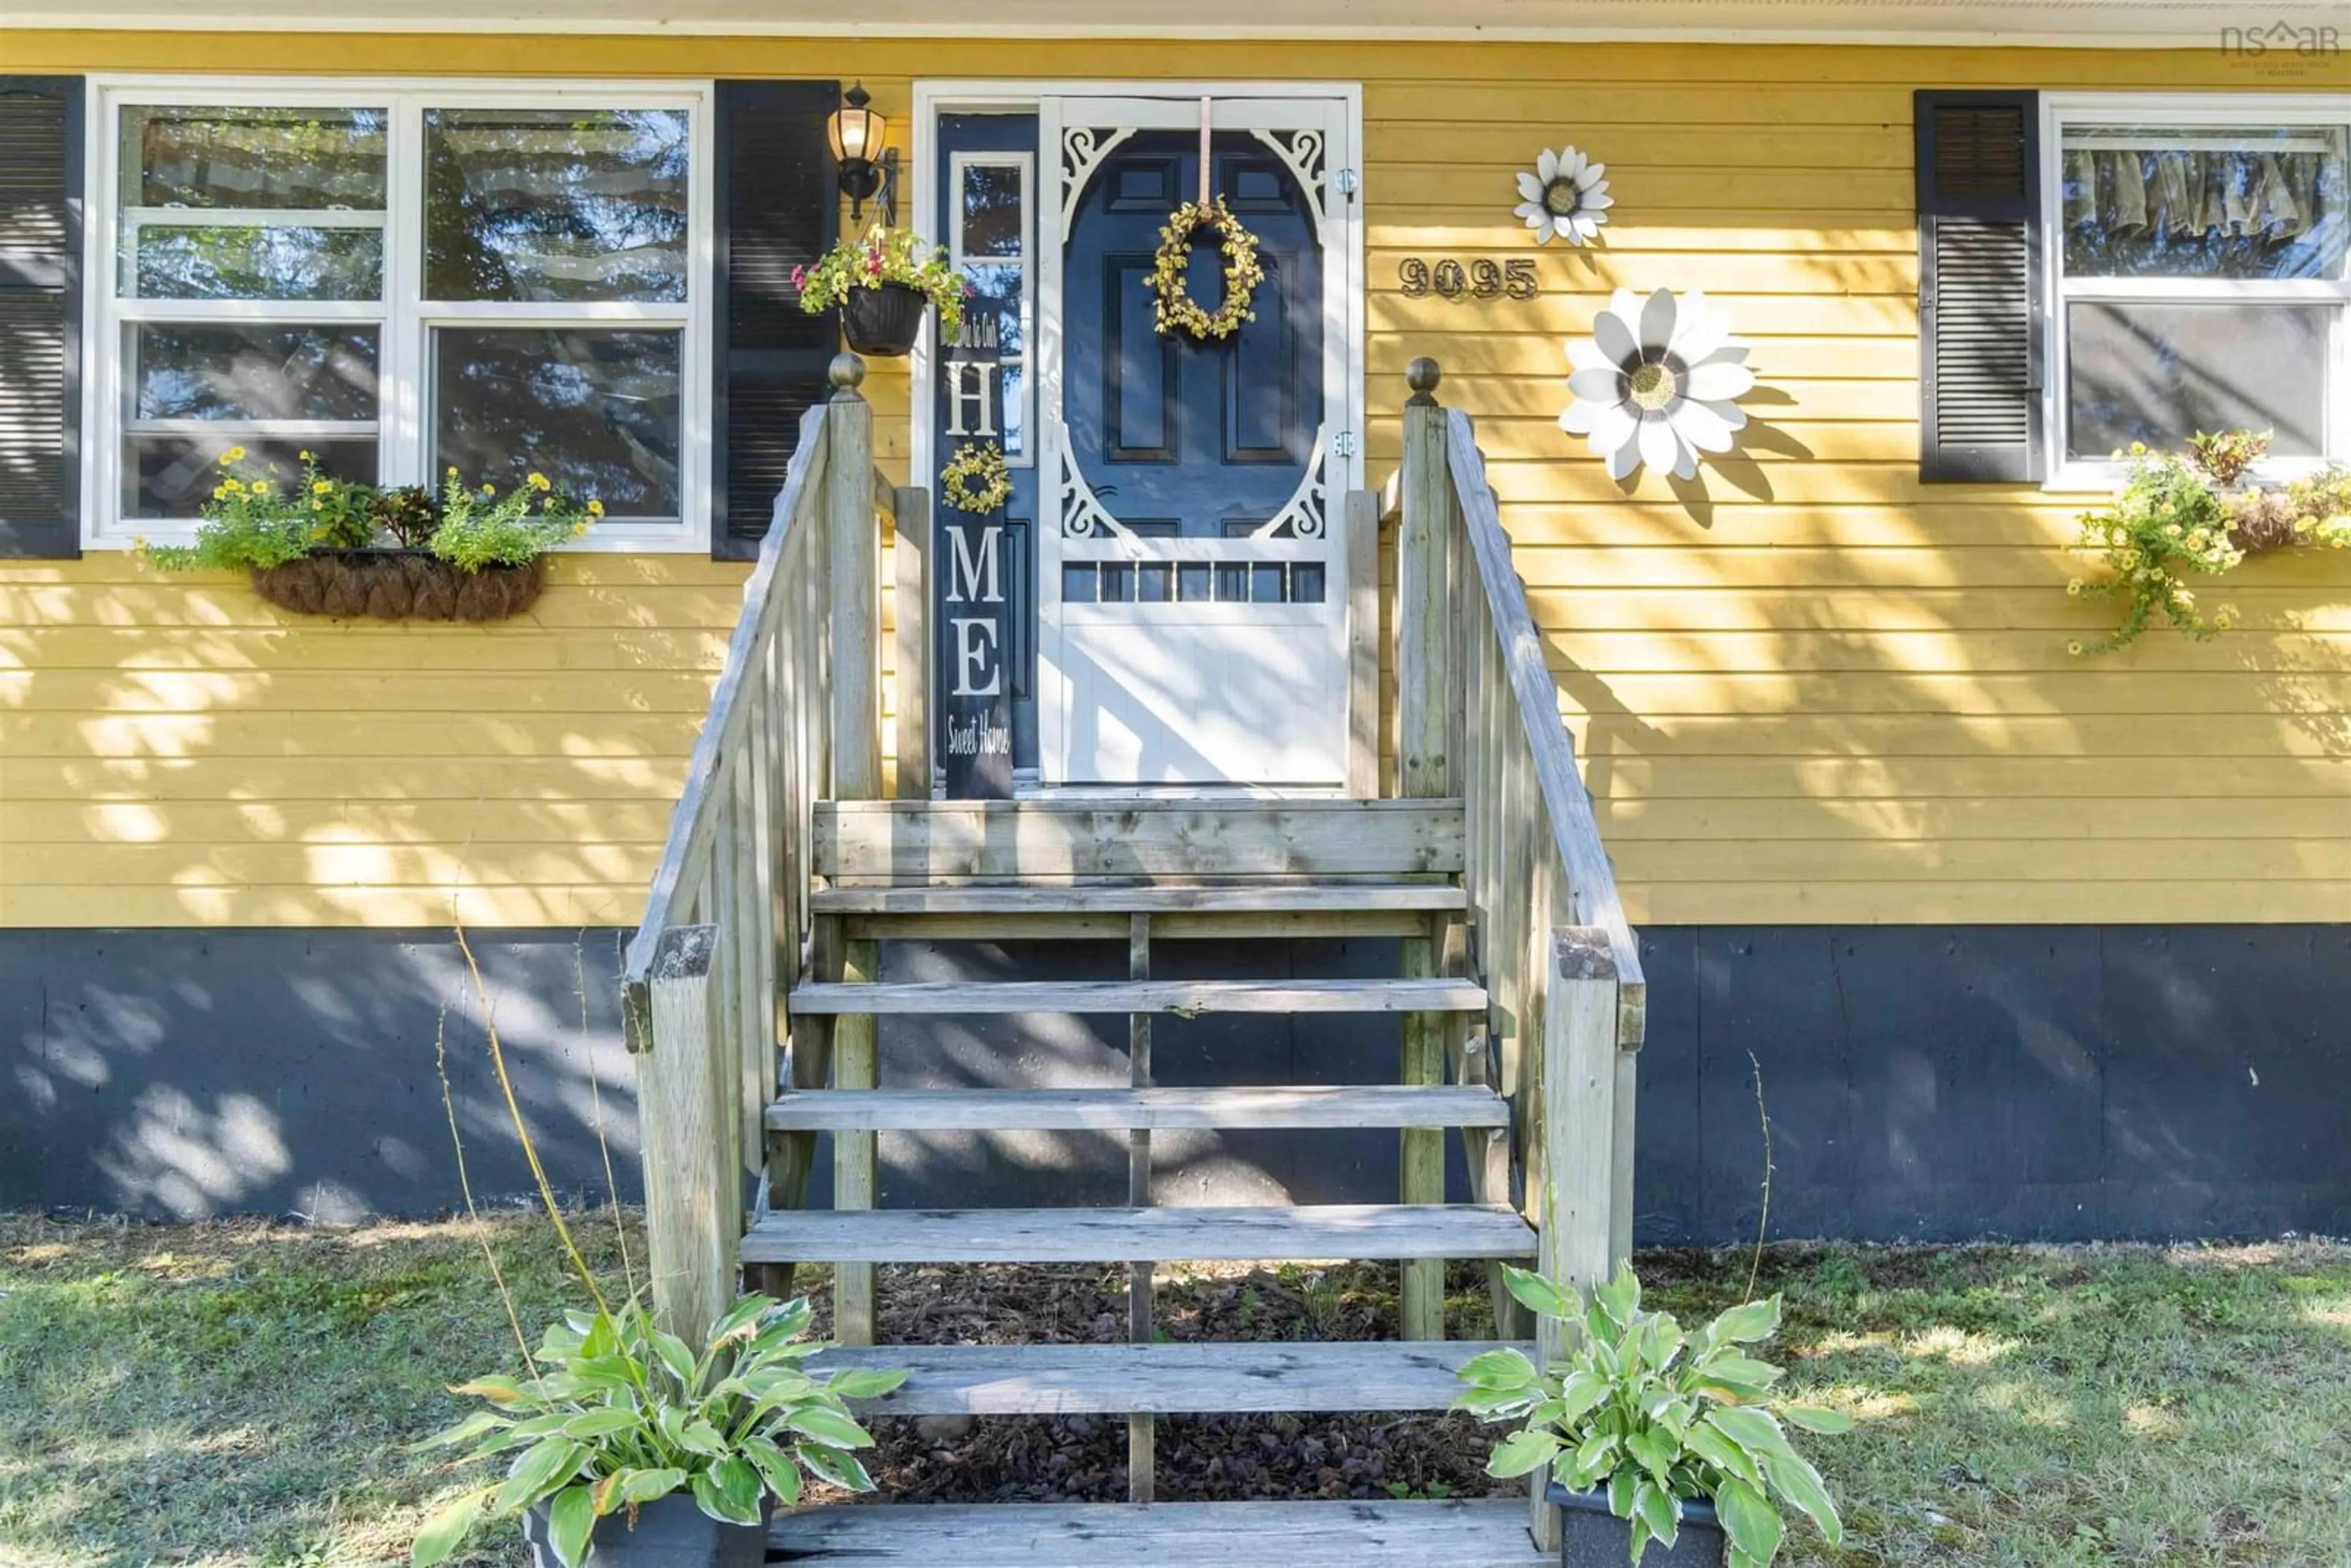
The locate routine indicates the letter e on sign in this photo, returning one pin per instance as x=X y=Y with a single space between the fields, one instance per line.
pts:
x=975 y=639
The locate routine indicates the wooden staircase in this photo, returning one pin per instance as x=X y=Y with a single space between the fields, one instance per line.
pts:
x=755 y=993
x=1151 y=873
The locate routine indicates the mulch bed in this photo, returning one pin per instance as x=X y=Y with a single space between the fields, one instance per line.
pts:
x=1200 y=1459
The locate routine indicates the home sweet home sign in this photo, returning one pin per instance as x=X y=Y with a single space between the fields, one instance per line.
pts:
x=974 y=611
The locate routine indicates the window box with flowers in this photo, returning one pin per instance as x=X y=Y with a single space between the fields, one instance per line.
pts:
x=2199 y=514
x=328 y=546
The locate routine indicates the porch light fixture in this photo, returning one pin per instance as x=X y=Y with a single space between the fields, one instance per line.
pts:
x=869 y=170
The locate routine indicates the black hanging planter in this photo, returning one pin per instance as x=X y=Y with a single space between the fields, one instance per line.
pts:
x=882 y=322
x=671 y=1533
x=1592 y=1537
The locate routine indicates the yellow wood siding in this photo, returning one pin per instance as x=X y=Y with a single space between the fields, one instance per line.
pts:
x=1808 y=689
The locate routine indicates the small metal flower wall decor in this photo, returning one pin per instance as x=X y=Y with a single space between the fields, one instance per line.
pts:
x=1657 y=383
x=1565 y=196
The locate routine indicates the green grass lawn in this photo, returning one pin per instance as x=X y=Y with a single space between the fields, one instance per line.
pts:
x=237 y=1393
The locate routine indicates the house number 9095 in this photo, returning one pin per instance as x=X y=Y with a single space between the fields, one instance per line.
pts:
x=1480 y=280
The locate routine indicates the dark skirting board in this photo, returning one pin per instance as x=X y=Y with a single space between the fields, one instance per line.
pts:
x=1923 y=1085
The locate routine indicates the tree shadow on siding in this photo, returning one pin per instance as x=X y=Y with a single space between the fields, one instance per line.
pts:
x=231 y=845
x=187 y=1075
x=1738 y=467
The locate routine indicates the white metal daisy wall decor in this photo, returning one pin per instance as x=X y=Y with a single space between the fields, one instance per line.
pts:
x=1657 y=383
x=1566 y=195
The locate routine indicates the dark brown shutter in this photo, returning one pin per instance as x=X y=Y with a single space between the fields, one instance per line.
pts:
x=779 y=206
x=1979 y=285
x=40 y=316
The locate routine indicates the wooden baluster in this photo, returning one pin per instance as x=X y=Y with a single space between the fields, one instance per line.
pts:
x=1142 y=1455
x=773 y=949
x=1620 y=1180
x=754 y=1040
x=1362 y=541
x=722 y=905
x=1426 y=696
x=911 y=594
x=855 y=601
x=855 y=1184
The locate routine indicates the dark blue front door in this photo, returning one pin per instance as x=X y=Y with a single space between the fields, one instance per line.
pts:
x=1199 y=439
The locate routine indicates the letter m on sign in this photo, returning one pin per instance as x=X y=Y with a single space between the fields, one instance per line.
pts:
x=972 y=572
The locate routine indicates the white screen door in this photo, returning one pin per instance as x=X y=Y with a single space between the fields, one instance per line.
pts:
x=1192 y=606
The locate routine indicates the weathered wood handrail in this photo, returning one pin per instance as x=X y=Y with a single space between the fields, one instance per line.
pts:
x=1477 y=716
x=794 y=718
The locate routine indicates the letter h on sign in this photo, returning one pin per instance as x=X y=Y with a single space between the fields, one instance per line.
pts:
x=971 y=376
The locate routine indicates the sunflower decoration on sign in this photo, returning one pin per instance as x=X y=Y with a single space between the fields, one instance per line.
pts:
x=1565 y=195
x=1657 y=383
x=977 y=478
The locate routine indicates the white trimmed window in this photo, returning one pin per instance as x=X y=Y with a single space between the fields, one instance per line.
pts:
x=401 y=280
x=2200 y=257
x=990 y=247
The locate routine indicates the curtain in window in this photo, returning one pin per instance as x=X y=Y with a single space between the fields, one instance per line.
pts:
x=2182 y=194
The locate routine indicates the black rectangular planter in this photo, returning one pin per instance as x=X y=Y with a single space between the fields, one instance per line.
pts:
x=671 y=1533
x=1592 y=1537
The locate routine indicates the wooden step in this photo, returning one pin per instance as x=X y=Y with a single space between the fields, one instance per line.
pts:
x=1186 y=836
x=1182 y=996
x=1126 y=1109
x=1115 y=1234
x=1455 y=1533
x=1149 y=898
x=1162 y=1379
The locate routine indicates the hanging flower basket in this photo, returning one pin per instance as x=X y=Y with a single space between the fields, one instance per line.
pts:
x=881 y=284
x=1175 y=310
x=399 y=585
x=882 y=322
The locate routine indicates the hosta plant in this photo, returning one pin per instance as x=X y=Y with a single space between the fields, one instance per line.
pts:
x=620 y=1414
x=1656 y=1417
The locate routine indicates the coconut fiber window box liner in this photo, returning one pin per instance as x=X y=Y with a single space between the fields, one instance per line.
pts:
x=399 y=585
